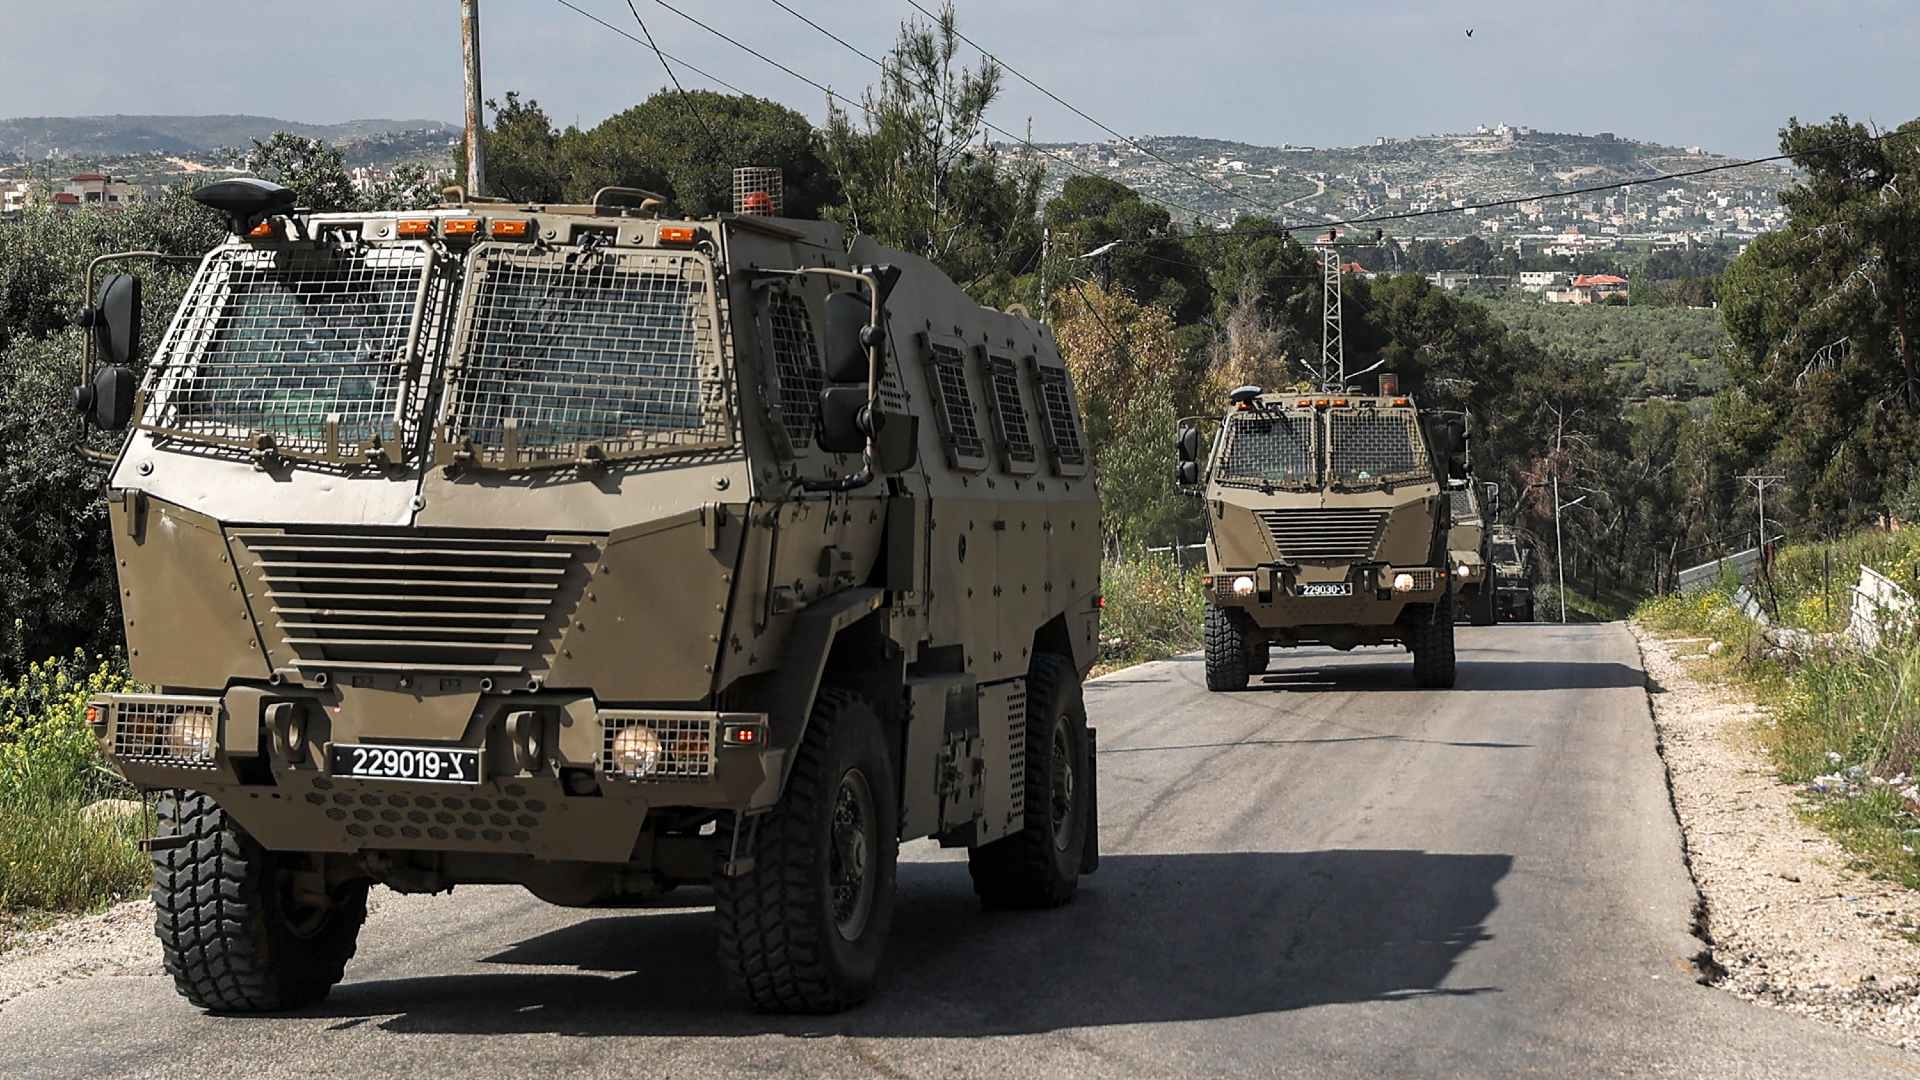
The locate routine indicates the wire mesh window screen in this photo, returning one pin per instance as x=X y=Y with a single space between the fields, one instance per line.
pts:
x=1463 y=508
x=796 y=361
x=956 y=404
x=1281 y=449
x=571 y=349
x=277 y=340
x=1063 y=429
x=759 y=190
x=1009 y=411
x=1368 y=447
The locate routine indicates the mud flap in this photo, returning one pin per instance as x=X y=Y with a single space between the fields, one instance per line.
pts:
x=1090 y=851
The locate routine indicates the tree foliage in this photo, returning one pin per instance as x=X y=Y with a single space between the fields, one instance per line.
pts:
x=919 y=172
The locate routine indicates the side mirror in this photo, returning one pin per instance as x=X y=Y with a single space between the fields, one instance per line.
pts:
x=115 y=319
x=1459 y=464
x=841 y=429
x=107 y=402
x=896 y=442
x=1187 y=474
x=848 y=334
x=1187 y=443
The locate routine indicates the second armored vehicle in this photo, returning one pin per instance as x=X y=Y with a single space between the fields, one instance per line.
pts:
x=1511 y=559
x=1327 y=523
x=1470 y=543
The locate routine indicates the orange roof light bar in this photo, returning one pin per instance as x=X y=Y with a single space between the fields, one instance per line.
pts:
x=509 y=229
x=1339 y=403
x=676 y=234
x=468 y=226
x=414 y=227
x=262 y=230
x=1321 y=403
x=1400 y=401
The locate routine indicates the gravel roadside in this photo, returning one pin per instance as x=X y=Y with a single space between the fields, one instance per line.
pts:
x=1790 y=925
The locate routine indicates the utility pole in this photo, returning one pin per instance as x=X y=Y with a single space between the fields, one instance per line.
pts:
x=1760 y=490
x=1046 y=248
x=476 y=123
x=1559 y=563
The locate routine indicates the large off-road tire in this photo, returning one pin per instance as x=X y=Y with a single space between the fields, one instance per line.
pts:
x=1039 y=866
x=803 y=930
x=231 y=932
x=1430 y=638
x=1482 y=608
x=1227 y=658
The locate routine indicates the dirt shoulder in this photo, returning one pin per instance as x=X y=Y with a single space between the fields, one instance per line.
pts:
x=1791 y=926
x=118 y=941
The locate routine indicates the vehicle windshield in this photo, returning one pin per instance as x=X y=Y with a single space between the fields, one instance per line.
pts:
x=561 y=351
x=1504 y=551
x=1370 y=448
x=1277 y=449
x=314 y=346
x=556 y=354
x=1464 y=510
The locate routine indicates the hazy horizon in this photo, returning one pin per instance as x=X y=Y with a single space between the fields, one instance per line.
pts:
x=1718 y=74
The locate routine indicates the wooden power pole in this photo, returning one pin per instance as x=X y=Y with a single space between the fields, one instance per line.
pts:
x=476 y=122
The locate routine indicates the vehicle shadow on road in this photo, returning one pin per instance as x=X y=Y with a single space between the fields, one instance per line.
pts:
x=1475 y=675
x=1149 y=939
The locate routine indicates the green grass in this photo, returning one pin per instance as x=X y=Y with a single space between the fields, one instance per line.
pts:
x=1153 y=610
x=54 y=858
x=1846 y=725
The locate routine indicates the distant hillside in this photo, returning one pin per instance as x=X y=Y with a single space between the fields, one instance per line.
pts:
x=1425 y=173
x=36 y=137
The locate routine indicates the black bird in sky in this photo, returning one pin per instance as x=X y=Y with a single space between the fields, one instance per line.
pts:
x=1469 y=32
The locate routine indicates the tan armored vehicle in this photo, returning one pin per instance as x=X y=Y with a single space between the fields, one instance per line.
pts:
x=1511 y=557
x=597 y=551
x=1326 y=524
x=1469 y=544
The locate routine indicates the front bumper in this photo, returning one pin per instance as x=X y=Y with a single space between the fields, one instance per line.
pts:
x=566 y=800
x=1277 y=597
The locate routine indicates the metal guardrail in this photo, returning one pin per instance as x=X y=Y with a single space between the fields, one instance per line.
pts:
x=1744 y=563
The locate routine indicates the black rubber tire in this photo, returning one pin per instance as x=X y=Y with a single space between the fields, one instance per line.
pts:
x=222 y=919
x=1526 y=610
x=1029 y=869
x=1430 y=637
x=780 y=945
x=1226 y=643
x=1482 y=608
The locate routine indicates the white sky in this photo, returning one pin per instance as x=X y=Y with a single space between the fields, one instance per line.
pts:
x=1720 y=73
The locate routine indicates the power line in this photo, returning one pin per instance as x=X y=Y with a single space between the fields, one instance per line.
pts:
x=714 y=79
x=698 y=116
x=984 y=122
x=1283 y=230
x=1075 y=109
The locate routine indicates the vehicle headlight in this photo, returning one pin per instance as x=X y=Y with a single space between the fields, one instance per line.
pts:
x=1243 y=586
x=1463 y=570
x=636 y=751
x=190 y=737
x=1403 y=583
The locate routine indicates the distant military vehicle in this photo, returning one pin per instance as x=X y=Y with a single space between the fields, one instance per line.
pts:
x=1327 y=524
x=1512 y=560
x=1469 y=541
x=595 y=550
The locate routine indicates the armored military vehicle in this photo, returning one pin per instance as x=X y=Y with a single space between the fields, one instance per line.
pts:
x=1511 y=557
x=596 y=550
x=1469 y=542
x=1327 y=524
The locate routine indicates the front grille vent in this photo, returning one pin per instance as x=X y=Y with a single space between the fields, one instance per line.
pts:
x=1324 y=535
x=418 y=602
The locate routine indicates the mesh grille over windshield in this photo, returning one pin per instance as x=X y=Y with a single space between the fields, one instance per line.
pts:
x=277 y=340
x=1271 y=448
x=564 y=350
x=1367 y=447
x=1463 y=508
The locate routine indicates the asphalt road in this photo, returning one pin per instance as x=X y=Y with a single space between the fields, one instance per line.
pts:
x=1332 y=874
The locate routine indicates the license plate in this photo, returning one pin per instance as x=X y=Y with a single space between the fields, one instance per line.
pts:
x=418 y=764
x=1326 y=588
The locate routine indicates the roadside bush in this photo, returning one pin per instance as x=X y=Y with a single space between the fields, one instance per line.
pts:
x=55 y=855
x=1154 y=609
